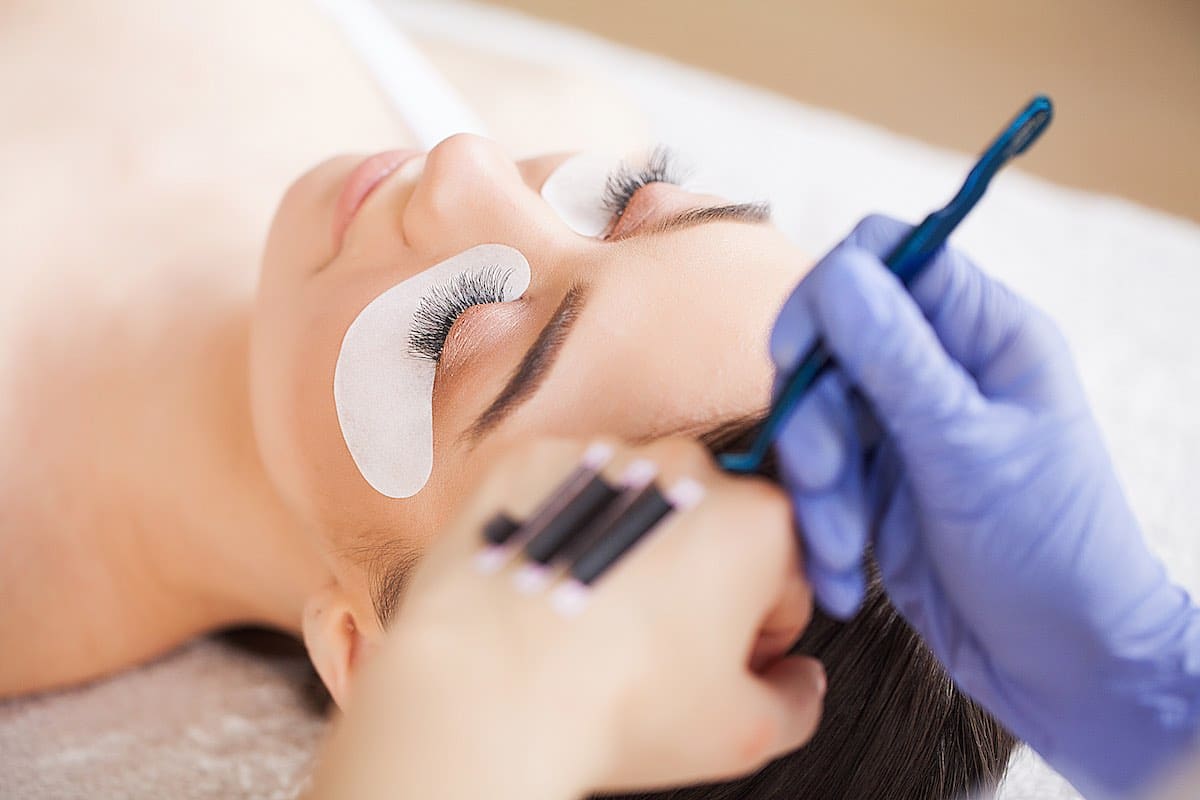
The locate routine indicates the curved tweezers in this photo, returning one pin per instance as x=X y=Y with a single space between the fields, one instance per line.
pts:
x=906 y=261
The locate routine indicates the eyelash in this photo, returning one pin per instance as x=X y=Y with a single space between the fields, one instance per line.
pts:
x=441 y=307
x=623 y=183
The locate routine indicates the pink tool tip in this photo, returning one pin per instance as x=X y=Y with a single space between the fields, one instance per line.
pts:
x=639 y=473
x=570 y=598
x=531 y=578
x=685 y=493
x=490 y=559
x=597 y=455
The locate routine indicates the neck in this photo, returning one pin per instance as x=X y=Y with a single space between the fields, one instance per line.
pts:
x=229 y=547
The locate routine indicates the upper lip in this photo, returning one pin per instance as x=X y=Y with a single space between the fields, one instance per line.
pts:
x=359 y=184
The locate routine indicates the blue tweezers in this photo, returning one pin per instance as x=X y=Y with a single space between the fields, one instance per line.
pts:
x=906 y=261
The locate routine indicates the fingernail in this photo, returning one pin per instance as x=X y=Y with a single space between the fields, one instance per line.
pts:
x=822 y=681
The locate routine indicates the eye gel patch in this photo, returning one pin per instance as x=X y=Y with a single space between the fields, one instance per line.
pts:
x=576 y=192
x=384 y=393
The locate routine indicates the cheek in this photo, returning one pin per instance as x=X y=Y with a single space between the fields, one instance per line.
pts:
x=293 y=350
x=301 y=235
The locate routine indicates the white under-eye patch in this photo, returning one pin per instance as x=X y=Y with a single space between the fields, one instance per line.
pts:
x=576 y=192
x=383 y=392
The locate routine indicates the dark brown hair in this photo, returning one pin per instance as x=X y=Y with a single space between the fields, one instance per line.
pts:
x=895 y=726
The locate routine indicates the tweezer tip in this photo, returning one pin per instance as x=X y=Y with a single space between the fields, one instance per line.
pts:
x=737 y=462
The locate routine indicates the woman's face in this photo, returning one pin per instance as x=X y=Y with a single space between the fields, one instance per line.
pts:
x=660 y=327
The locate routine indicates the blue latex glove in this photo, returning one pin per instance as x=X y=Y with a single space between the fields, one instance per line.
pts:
x=1000 y=529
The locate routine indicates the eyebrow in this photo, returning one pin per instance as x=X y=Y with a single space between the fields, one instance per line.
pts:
x=754 y=213
x=535 y=364
x=527 y=378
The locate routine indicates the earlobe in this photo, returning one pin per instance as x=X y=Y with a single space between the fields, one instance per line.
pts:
x=333 y=639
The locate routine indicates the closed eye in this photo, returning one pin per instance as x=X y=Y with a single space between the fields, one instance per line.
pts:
x=625 y=181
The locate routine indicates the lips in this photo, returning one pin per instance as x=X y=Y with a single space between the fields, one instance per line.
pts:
x=361 y=182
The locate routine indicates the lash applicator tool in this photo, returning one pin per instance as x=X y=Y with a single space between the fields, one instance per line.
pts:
x=906 y=261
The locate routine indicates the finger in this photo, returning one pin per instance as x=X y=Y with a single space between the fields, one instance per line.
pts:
x=781 y=710
x=632 y=516
x=884 y=344
x=878 y=234
x=794 y=330
x=524 y=474
x=728 y=557
x=784 y=622
x=671 y=475
x=744 y=548
x=815 y=440
x=829 y=502
x=563 y=507
x=972 y=314
x=829 y=499
x=914 y=587
x=983 y=325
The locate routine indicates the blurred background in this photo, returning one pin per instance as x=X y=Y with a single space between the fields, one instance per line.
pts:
x=1124 y=75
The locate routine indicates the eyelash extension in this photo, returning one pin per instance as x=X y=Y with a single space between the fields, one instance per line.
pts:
x=662 y=166
x=443 y=304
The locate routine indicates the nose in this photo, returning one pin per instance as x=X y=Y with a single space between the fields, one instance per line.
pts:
x=470 y=192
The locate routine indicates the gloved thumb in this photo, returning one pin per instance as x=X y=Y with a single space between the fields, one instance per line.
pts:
x=884 y=345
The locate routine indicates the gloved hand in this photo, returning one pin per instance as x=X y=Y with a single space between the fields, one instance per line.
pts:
x=1000 y=528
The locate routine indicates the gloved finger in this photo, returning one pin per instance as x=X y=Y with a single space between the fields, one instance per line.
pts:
x=899 y=552
x=832 y=522
x=819 y=463
x=913 y=585
x=833 y=528
x=877 y=234
x=816 y=441
x=867 y=428
x=794 y=330
x=1010 y=346
x=995 y=334
x=952 y=293
x=839 y=594
x=972 y=314
x=884 y=344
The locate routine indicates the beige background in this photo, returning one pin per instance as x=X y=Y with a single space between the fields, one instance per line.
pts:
x=1124 y=74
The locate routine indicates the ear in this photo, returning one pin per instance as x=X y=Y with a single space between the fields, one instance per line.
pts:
x=334 y=639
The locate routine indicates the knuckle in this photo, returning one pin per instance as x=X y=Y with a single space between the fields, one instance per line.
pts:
x=876 y=231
